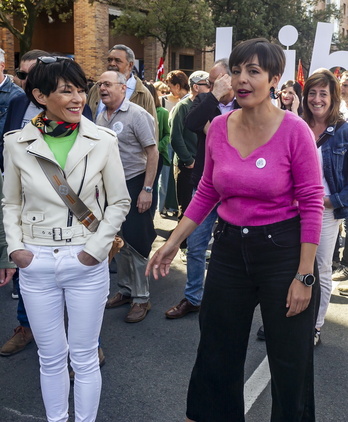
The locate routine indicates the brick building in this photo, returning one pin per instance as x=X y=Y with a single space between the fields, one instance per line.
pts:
x=87 y=37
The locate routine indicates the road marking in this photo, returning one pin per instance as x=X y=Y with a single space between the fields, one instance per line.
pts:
x=256 y=384
x=22 y=415
x=261 y=377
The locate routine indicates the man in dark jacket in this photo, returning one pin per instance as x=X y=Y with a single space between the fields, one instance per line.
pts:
x=204 y=109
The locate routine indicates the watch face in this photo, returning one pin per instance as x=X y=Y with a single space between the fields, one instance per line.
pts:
x=309 y=280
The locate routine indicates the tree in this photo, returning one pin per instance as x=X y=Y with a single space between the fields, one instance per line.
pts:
x=175 y=23
x=24 y=14
x=264 y=18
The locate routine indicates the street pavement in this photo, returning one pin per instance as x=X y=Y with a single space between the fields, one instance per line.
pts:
x=148 y=364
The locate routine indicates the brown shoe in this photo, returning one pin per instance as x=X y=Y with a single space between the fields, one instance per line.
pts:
x=138 y=312
x=180 y=310
x=117 y=300
x=101 y=363
x=21 y=337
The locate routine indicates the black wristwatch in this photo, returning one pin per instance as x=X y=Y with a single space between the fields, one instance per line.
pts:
x=148 y=189
x=307 y=279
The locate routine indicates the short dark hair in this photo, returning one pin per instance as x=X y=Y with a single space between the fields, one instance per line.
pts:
x=33 y=55
x=178 y=77
x=271 y=56
x=45 y=77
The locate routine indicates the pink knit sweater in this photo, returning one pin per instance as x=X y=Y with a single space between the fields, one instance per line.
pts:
x=277 y=181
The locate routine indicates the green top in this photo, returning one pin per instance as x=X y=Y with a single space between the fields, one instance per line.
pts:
x=163 y=134
x=184 y=142
x=61 y=146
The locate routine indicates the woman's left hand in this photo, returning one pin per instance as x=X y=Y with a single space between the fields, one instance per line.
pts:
x=87 y=259
x=298 y=298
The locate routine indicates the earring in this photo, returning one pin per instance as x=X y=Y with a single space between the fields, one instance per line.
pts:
x=272 y=93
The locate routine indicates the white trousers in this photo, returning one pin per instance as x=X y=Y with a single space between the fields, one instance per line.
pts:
x=324 y=255
x=54 y=279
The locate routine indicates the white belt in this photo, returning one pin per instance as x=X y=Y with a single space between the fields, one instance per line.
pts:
x=54 y=233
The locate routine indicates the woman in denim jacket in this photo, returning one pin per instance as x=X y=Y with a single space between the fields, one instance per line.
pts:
x=322 y=112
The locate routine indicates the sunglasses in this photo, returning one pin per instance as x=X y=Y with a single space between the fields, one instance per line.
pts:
x=53 y=59
x=21 y=75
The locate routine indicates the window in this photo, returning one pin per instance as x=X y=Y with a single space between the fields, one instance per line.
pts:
x=186 y=63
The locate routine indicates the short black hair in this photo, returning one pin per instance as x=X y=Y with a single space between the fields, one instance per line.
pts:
x=271 y=56
x=45 y=77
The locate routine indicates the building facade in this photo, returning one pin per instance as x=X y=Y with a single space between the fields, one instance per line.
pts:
x=87 y=36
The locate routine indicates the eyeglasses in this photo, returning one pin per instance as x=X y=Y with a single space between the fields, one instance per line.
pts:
x=53 y=59
x=205 y=84
x=21 y=75
x=108 y=84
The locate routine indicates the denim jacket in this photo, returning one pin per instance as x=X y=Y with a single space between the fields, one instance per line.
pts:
x=335 y=167
x=8 y=91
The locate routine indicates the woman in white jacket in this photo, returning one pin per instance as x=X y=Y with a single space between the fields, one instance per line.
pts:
x=62 y=263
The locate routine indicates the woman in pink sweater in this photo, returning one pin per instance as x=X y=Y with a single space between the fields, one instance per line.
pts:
x=262 y=165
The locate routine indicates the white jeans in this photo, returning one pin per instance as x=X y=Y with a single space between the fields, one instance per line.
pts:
x=56 y=278
x=324 y=255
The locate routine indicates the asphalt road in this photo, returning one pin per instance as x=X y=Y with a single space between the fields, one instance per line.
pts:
x=148 y=364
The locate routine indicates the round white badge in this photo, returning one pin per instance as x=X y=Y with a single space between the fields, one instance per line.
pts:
x=330 y=129
x=117 y=127
x=260 y=163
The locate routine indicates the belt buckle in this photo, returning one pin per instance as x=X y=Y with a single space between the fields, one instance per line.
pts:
x=57 y=233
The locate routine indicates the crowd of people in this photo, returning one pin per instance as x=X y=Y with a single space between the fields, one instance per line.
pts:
x=84 y=163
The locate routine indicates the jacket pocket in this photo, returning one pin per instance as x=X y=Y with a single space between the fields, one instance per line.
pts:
x=34 y=217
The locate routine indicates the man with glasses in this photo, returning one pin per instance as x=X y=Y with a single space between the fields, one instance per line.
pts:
x=135 y=131
x=121 y=59
x=8 y=90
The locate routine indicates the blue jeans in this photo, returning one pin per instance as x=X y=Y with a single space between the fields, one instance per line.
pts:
x=251 y=265
x=197 y=244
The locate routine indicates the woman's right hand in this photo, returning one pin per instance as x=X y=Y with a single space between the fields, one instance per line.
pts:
x=295 y=104
x=22 y=258
x=161 y=260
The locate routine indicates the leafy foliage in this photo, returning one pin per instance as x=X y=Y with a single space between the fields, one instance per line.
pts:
x=176 y=23
x=264 y=18
x=25 y=13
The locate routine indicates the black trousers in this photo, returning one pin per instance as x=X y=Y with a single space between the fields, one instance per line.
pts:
x=184 y=188
x=138 y=229
x=251 y=265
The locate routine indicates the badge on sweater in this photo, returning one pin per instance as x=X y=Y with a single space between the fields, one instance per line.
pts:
x=260 y=163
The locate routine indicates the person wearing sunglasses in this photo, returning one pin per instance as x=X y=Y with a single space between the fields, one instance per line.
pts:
x=63 y=264
x=8 y=90
x=20 y=111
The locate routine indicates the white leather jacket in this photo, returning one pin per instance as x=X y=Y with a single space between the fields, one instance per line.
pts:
x=33 y=211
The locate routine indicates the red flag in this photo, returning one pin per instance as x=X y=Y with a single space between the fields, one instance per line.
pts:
x=300 y=76
x=160 y=70
x=337 y=72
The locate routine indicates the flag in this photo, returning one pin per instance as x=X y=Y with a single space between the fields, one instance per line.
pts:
x=160 y=70
x=337 y=72
x=300 y=76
